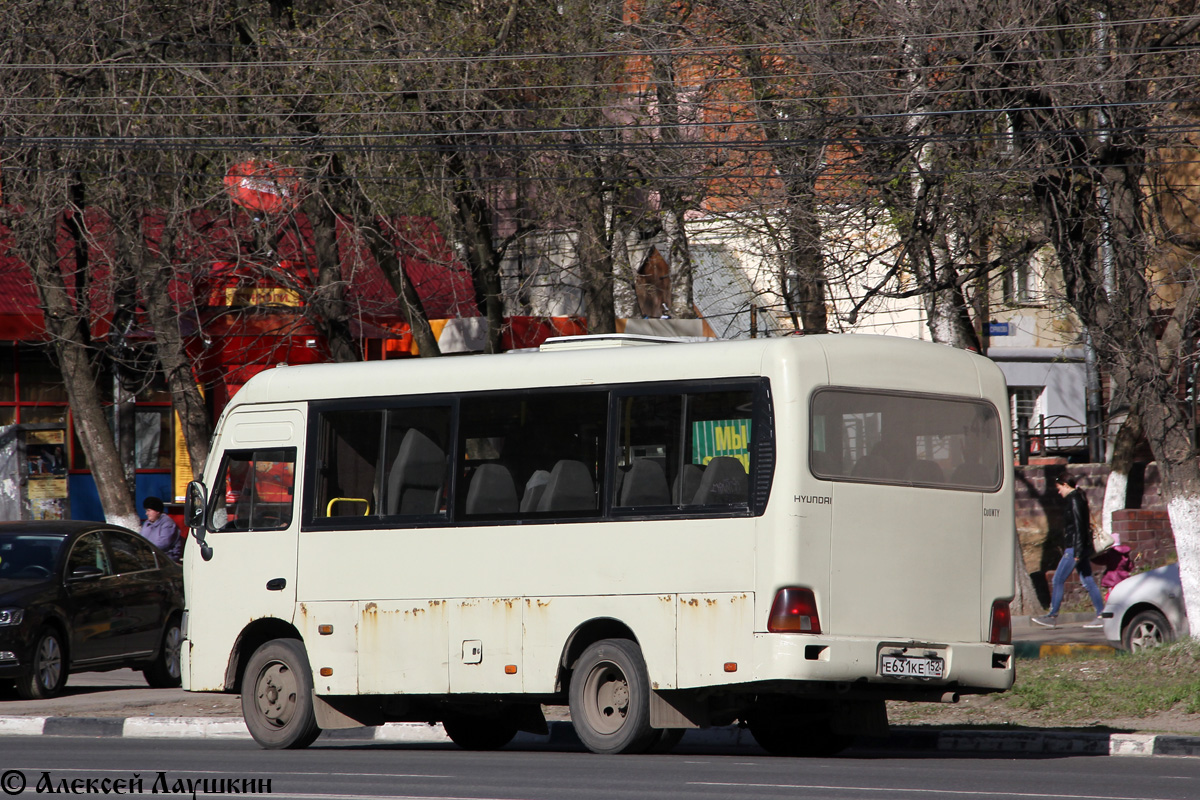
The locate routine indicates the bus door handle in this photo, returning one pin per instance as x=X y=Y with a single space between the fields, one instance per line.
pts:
x=276 y=584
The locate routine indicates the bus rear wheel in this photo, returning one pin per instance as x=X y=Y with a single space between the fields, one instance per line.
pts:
x=788 y=735
x=277 y=696
x=610 y=698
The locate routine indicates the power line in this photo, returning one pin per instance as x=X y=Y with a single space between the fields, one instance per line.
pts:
x=420 y=56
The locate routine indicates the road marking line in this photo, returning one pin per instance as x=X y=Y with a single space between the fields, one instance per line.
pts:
x=965 y=792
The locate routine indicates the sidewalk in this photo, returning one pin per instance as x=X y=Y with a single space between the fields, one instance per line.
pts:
x=1034 y=641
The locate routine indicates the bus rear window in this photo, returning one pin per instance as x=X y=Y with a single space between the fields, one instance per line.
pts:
x=908 y=439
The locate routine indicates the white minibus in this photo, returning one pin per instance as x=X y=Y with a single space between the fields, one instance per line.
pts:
x=785 y=532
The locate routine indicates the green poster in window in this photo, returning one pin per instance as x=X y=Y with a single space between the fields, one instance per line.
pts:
x=721 y=437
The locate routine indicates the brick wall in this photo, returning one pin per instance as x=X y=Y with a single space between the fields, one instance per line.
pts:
x=1148 y=532
x=1143 y=525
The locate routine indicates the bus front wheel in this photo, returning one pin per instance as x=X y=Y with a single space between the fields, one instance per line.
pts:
x=277 y=696
x=610 y=698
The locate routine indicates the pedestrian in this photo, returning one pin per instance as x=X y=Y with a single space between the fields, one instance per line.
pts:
x=160 y=530
x=1077 y=555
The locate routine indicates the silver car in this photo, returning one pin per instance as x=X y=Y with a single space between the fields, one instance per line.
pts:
x=1145 y=610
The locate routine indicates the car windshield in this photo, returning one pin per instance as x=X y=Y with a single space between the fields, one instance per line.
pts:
x=28 y=556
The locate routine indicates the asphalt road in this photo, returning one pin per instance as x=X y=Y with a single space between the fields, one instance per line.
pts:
x=344 y=770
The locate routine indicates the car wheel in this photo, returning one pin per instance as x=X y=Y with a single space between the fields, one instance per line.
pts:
x=277 y=696
x=1145 y=630
x=164 y=672
x=48 y=668
x=610 y=698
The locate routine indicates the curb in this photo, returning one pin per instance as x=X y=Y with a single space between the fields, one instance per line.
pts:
x=562 y=735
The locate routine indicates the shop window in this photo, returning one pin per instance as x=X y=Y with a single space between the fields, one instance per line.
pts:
x=44 y=414
x=8 y=375
x=153 y=443
x=41 y=380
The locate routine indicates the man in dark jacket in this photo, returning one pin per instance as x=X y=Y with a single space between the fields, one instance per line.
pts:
x=1077 y=555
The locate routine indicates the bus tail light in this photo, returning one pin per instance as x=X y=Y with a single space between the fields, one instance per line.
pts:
x=1001 y=632
x=794 y=611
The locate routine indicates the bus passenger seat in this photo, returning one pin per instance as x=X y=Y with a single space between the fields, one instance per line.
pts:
x=570 y=488
x=687 y=482
x=492 y=491
x=534 y=488
x=925 y=471
x=645 y=485
x=723 y=482
x=873 y=468
x=415 y=481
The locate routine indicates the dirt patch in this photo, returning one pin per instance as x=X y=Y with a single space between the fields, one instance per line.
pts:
x=991 y=711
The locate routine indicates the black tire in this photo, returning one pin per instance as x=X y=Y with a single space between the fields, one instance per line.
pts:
x=790 y=735
x=482 y=732
x=277 y=696
x=610 y=698
x=164 y=671
x=1147 y=629
x=48 y=668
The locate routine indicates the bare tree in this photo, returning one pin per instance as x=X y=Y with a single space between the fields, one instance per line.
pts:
x=1093 y=120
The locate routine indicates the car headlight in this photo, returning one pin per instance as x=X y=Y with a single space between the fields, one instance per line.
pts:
x=11 y=616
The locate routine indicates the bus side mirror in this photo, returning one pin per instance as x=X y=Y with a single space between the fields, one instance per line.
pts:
x=195 y=502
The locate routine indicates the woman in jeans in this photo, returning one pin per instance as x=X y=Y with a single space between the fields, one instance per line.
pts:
x=1077 y=536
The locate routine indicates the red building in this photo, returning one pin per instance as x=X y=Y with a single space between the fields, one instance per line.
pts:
x=243 y=290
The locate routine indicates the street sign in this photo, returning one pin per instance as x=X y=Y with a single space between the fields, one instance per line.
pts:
x=997 y=329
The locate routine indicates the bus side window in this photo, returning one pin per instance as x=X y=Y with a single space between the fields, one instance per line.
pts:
x=416 y=464
x=668 y=443
x=416 y=477
x=551 y=443
x=380 y=462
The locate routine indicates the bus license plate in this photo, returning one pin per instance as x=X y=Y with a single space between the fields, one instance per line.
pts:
x=912 y=667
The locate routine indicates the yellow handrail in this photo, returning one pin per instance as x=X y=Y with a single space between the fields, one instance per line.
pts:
x=366 y=504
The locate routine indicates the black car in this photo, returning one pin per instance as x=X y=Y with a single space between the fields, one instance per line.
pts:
x=85 y=596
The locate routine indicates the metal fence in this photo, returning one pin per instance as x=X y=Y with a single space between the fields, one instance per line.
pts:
x=1058 y=435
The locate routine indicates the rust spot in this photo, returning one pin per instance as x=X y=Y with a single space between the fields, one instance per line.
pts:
x=370 y=608
x=543 y=603
x=303 y=610
x=435 y=603
x=654 y=685
x=711 y=602
x=693 y=602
